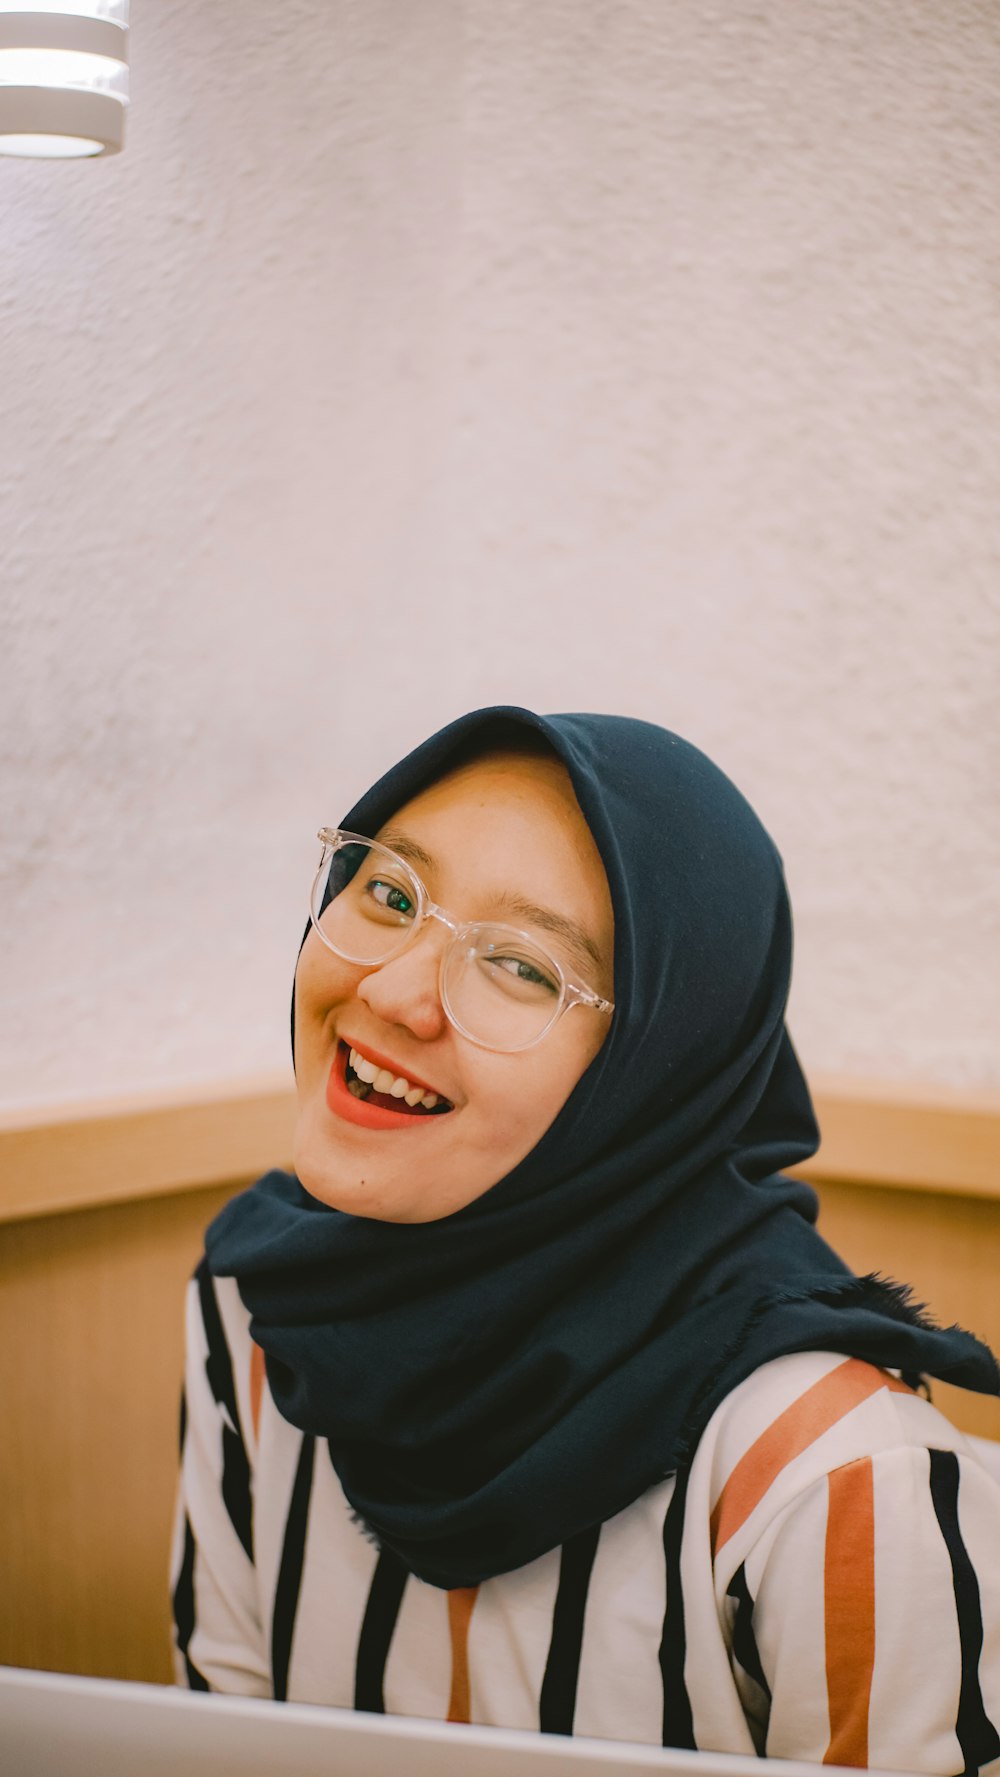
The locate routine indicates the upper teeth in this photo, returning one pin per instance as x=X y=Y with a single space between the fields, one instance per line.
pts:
x=393 y=1084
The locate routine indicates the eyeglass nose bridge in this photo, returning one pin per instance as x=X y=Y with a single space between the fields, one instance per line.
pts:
x=430 y=910
x=456 y=929
x=433 y=911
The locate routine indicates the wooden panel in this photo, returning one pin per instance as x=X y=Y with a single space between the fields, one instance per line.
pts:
x=62 y=1158
x=947 y=1248
x=909 y=1137
x=91 y=1343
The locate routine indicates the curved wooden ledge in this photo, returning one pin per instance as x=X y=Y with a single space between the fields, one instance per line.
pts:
x=54 y=1159
x=77 y=1156
x=907 y=1137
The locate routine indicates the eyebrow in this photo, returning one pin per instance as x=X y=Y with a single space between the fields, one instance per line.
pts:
x=574 y=937
x=582 y=945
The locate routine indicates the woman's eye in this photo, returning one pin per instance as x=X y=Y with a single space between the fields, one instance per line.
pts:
x=521 y=971
x=389 y=897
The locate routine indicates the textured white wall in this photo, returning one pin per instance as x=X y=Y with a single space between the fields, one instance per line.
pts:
x=609 y=355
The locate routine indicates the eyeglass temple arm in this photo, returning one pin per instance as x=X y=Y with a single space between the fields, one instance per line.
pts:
x=585 y=996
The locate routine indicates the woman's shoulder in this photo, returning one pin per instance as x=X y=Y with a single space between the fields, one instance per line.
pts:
x=807 y=1395
x=800 y=1418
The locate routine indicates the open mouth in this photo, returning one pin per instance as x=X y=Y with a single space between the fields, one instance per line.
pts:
x=375 y=1085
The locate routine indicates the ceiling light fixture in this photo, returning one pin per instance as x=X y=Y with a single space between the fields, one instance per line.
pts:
x=63 y=78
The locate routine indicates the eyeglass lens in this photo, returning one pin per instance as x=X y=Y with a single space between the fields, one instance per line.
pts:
x=498 y=988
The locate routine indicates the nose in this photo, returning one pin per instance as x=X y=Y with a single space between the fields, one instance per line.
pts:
x=405 y=989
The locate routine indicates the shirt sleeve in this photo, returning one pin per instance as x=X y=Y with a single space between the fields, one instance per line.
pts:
x=865 y=1619
x=219 y=1642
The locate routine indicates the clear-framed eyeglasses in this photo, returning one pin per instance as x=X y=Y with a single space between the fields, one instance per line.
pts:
x=499 y=987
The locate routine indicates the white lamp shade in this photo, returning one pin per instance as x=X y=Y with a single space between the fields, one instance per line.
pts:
x=63 y=78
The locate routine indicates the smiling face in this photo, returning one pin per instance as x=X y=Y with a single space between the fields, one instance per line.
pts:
x=504 y=829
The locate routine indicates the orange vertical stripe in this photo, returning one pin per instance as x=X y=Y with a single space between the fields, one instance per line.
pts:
x=849 y=1609
x=256 y=1385
x=829 y=1399
x=460 y=1603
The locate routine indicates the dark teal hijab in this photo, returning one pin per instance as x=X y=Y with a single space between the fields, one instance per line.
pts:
x=496 y=1382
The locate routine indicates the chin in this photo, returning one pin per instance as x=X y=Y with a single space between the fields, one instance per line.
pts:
x=335 y=1184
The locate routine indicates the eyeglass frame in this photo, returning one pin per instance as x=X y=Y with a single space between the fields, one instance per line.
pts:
x=573 y=991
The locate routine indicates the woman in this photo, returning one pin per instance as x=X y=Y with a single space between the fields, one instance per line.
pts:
x=535 y=1398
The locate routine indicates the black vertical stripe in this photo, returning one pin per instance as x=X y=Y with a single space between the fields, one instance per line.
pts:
x=236 y=1488
x=557 y=1703
x=745 y=1647
x=385 y=1595
x=219 y=1370
x=678 y=1727
x=218 y=1364
x=977 y=1735
x=183 y=1602
x=286 y=1592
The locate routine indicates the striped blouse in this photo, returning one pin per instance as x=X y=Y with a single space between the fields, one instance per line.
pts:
x=824 y=1584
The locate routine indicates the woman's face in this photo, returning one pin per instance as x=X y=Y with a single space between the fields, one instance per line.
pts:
x=505 y=824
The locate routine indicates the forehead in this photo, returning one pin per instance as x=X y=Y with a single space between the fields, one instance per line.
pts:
x=504 y=791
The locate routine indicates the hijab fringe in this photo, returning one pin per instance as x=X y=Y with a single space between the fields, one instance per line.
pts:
x=881 y=1295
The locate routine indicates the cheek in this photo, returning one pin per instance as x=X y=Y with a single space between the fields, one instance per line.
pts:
x=321 y=978
x=321 y=983
x=304 y=1019
x=523 y=1101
